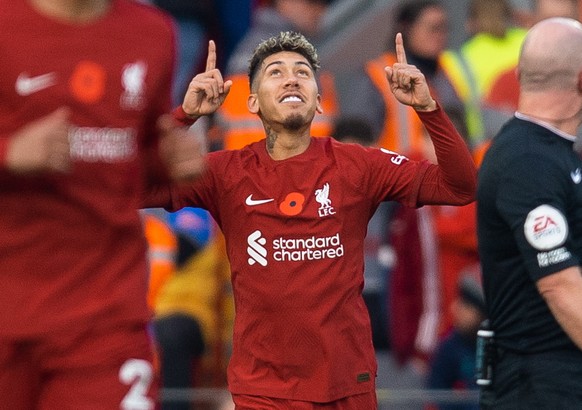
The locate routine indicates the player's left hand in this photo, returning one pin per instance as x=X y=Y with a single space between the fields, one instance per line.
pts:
x=180 y=150
x=407 y=83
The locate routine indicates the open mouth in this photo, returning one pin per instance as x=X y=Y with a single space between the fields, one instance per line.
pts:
x=291 y=99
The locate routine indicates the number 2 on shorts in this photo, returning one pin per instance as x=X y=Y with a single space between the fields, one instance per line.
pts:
x=138 y=374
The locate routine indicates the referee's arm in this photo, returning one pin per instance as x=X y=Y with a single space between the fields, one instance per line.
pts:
x=561 y=292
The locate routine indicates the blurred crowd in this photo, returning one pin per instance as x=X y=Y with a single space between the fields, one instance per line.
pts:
x=422 y=279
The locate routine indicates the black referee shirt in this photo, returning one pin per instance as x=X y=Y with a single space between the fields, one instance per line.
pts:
x=529 y=203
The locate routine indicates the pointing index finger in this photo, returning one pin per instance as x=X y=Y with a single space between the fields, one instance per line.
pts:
x=400 y=53
x=211 y=60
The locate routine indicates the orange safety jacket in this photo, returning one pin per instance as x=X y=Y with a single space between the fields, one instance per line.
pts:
x=402 y=130
x=240 y=127
x=162 y=251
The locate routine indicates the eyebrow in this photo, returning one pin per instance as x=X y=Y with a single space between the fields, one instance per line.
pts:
x=279 y=62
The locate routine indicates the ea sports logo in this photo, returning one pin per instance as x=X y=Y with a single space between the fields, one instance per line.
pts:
x=545 y=228
x=256 y=249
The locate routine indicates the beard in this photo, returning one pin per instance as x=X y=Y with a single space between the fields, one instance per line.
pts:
x=294 y=122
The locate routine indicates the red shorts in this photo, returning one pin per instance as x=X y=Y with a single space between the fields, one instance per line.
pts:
x=364 y=401
x=90 y=370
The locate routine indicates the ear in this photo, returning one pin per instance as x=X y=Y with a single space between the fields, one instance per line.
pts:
x=517 y=73
x=580 y=82
x=253 y=103
x=318 y=107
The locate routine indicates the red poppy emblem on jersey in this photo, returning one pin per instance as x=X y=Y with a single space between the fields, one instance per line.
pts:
x=88 y=82
x=293 y=204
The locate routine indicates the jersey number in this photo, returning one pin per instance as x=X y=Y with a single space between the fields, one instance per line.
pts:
x=138 y=374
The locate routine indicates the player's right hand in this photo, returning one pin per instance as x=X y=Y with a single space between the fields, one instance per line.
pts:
x=41 y=145
x=207 y=91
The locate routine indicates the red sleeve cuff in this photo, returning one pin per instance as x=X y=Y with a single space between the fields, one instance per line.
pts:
x=180 y=115
x=429 y=113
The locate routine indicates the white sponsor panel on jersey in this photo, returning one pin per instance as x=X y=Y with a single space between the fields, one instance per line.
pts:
x=545 y=228
x=312 y=248
x=92 y=144
x=293 y=249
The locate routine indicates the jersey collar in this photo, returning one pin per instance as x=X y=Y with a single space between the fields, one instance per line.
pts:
x=547 y=126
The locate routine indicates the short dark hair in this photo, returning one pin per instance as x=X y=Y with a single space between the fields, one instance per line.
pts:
x=284 y=41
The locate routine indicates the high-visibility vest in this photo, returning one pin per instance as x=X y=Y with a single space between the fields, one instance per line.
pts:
x=239 y=127
x=465 y=85
x=488 y=56
x=403 y=130
x=162 y=251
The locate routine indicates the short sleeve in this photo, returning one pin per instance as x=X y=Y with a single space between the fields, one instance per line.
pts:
x=533 y=199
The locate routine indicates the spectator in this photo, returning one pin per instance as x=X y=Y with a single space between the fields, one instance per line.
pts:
x=504 y=93
x=501 y=100
x=494 y=41
x=193 y=308
x=304 y=16
x=456 y=238
x=424 y=23
x=529 y=230
x=82 y=132
x=543 y=9
x=294 y=211
x=162 y=253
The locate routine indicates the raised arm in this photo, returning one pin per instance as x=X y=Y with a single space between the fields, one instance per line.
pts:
x=207 y=90
x=407 y=83
x=454 y=180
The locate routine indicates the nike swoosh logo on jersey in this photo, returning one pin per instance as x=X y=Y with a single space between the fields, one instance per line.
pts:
x=26 y=85
x=576 y=176
x=252 y=202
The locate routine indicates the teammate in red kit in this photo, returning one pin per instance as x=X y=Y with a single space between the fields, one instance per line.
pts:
x=81 y=102
x=294 y=210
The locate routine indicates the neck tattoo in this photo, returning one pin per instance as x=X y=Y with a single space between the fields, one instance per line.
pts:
x=271 y=138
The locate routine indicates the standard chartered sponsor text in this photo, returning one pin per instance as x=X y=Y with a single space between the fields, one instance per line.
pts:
x=312 y=248
x=93 y=144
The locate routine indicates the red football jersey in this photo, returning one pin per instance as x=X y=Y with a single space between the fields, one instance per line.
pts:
x=72 y=252
x=295 y=234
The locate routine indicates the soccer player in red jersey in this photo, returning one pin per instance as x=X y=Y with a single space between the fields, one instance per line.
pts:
x=294 y=211
x=82 y=99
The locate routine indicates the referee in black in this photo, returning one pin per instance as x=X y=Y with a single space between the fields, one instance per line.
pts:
x=529 y=203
